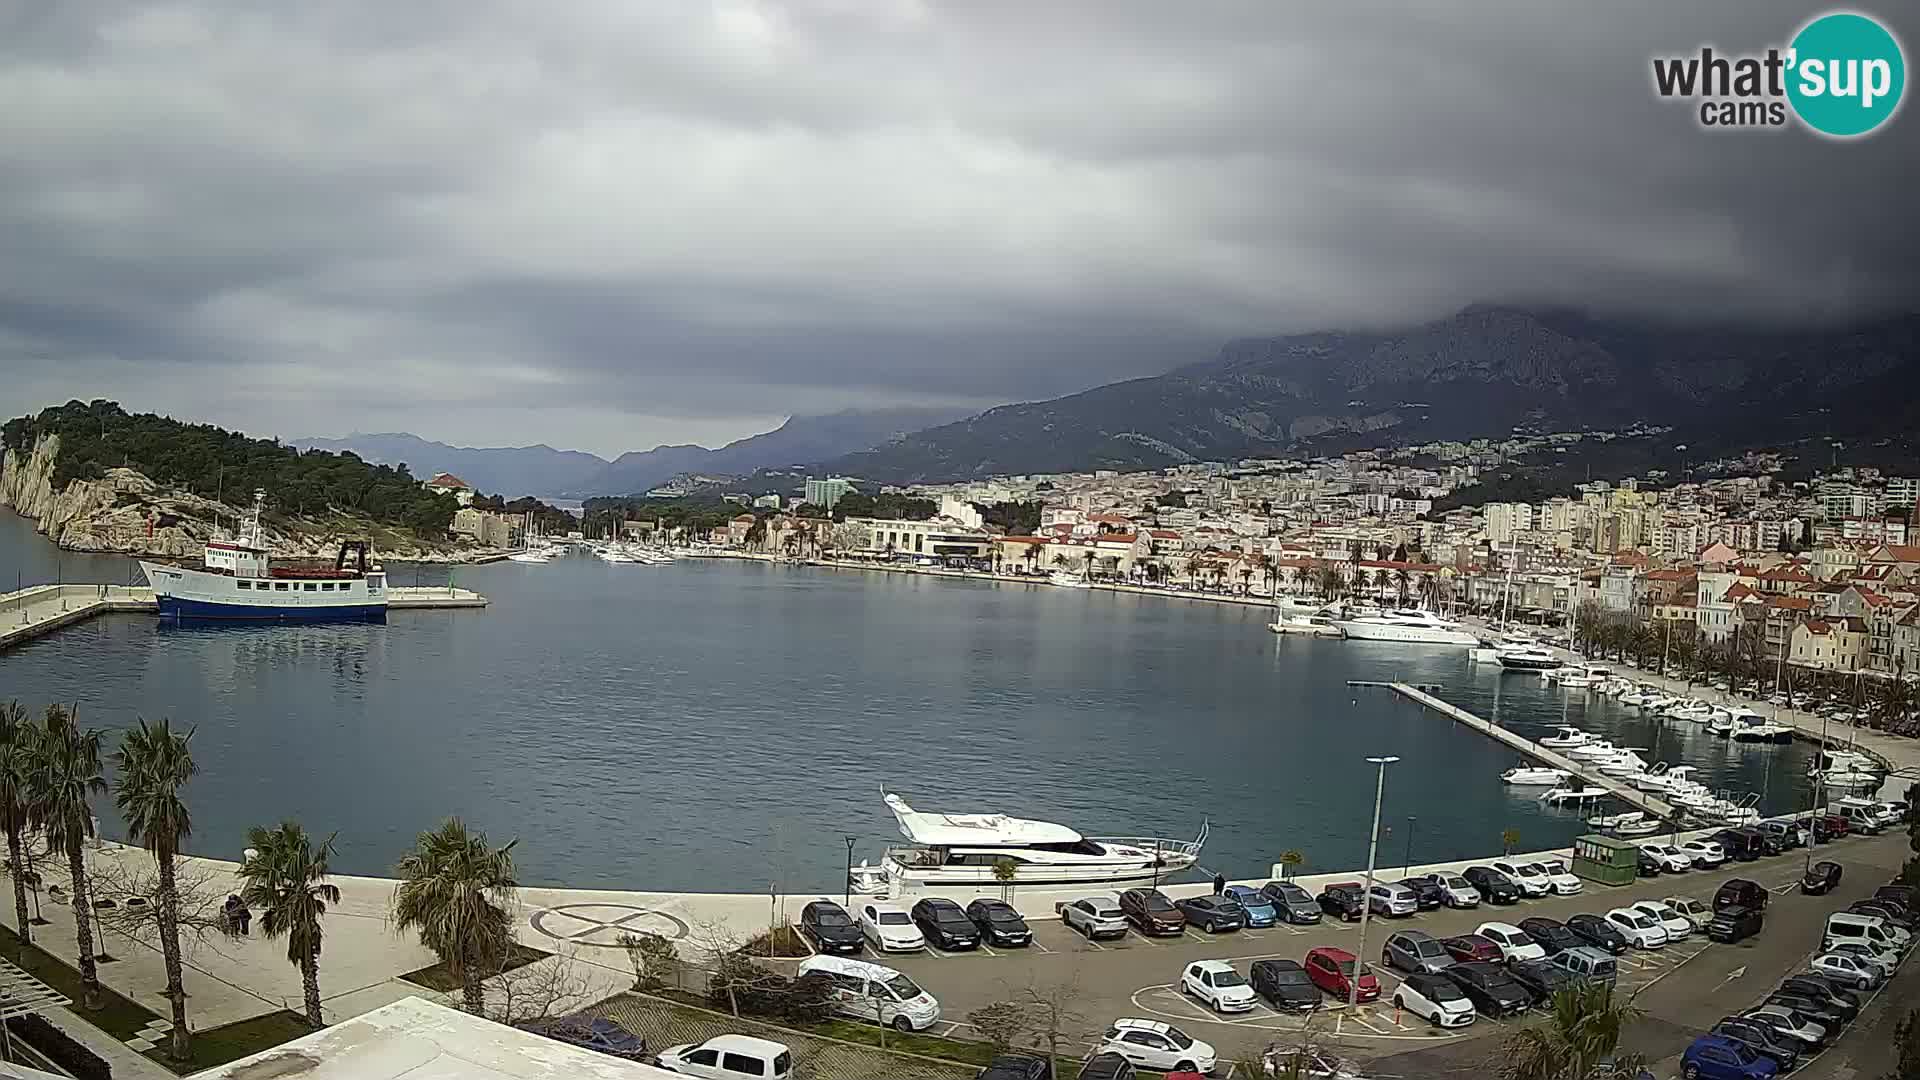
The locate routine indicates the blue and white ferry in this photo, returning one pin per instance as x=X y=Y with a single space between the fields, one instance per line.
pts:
x=238 y=582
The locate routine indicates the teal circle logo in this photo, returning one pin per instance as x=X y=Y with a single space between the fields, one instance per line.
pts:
x=1846 y=74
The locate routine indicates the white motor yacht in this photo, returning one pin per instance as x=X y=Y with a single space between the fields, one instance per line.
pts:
x=959 y=852
x=1595 y=750
x=1561 y=796
x=1697 y=712
x=1068 y=581
x=1534 y=776
x=1406 y=626
x=1720 y=723
x=1528 y=658
x=1630 y=823
x=1758 y=729
x=1566 y=738
x=1627 y=762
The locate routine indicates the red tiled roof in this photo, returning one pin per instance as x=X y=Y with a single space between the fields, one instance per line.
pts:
x=1164 y=534
x=448 y=480
x=1116 y=538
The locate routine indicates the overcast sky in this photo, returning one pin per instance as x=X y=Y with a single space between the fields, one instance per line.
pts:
x=606 y=224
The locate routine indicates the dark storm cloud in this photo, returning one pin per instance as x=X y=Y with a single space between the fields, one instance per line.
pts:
x=603 y=223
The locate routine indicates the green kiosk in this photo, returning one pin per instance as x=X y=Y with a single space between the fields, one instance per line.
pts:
x=1605 y=859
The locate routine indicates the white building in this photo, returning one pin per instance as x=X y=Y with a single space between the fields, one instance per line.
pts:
x=1505 y=519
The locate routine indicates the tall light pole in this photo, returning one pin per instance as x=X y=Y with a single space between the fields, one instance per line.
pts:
x=847 y=899
x=1819 y=789
x=1408 y=867
x=1366 y=899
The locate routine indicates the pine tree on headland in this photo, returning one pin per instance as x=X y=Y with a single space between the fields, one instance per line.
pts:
x=154 y=763
x=287 y=880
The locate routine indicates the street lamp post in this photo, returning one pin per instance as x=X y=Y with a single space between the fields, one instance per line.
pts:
x=1819 y=788
x=1366 y=899
x=1408 y=867
x=847 y=899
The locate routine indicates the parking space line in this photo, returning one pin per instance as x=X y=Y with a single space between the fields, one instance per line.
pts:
x=1035 y=942
x=988 y=951
x=931 y=951
x=1188 y=932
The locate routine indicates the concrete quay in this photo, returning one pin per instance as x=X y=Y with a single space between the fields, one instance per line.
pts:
x=41 y=609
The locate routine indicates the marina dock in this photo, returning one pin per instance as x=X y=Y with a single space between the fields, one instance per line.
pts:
x=41 y=609
x=1586 y=774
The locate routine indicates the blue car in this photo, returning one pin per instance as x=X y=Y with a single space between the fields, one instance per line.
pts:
x=1259 y=909
x=1711 y=1057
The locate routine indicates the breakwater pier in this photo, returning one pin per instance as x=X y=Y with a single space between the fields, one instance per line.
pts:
x=41 y=609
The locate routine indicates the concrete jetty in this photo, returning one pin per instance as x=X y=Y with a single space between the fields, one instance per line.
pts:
x=1587 y=774
x=41 y=609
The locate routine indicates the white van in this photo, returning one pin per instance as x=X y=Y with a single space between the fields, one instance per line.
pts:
x=1848 y=926
x=1861 y=815
x=875 y=992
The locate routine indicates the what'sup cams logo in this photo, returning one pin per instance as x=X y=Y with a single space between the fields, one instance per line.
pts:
x=1842 y=76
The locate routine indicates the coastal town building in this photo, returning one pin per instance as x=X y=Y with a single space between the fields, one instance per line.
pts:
x=825 y=493
x=449 y=484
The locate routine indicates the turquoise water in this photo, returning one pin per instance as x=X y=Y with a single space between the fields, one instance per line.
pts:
x=716 y=725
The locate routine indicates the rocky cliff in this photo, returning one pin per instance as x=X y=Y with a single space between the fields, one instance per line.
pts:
x=125 y=512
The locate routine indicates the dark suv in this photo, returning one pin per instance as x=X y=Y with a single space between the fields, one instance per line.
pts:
x=1739 y=892
x=1493 y=886
x=1295 y=904
x=1346 y=899
x=1551 y=934
x=1427 y=890
x=1151 y=912
x=1016 y=1067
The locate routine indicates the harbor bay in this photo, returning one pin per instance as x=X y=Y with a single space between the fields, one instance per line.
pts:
x=719 y=725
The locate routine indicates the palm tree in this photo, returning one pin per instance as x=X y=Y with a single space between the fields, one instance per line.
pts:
x=154 y=763
x=287 y=880
x=1582 y=1029
x=454 y=891
x=1382 y=579
x=1330 y=583
x=1033 y=554
x=16 y=766
x=1403 y=580
x=66 y=774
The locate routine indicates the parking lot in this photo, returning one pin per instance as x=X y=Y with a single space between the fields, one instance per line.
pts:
x=1685 y=987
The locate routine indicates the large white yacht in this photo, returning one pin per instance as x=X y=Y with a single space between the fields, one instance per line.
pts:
x=1406 y=625
x=953 y=853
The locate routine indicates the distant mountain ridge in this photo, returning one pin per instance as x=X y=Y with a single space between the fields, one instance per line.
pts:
x=1478 y=373
x=544 y=471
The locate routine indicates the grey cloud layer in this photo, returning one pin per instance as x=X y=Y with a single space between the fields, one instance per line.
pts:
x=603 y=221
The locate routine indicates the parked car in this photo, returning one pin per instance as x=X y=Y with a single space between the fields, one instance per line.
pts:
x=1017 y=1067
x=1257 y=911
x=890 y=928
x=1830 y=827
x=1428 y=890
x=998 y=924
x=1153 y=1044
x=1597 y=932
x=1551 y=935
x=1816 y=1010
x=1825 y=992
x=1393 y=900
x=1532 y=880
x=1887 y=960
x=1334 y=971
x=1435 y=999
x=1645 y=865
x=1738 y=845
x=1692 y=910
x=1542 y=978
x=1107 y=1065
x=1892 y=912
x=1711 y=1057
x=1858 y=971
x=1704 y=853
x=1457 y=891
x=1906 y=894
x=1415 y=950
x=1739 y=892
x=1638 y=928
x=1789 y=834
x=1562 y=880
x=1493 y=886
x=830 y=928
x=1513 y=942
x=1821 y=877
x=1285 y=984
x=1588 y=964
x=729 y=1057
x=1789 y=1023
x=943 y=924
x=1469 y=947
x=1670 y=857
x=1214 y=914
x=1492 y=991
x=1729 y=925
x=1677 y=926
x=1152 y=913
x=599 y=1033
x=1762 y=1040
x=1217 y=985
x=1344 y=899
x=1292 y=901
x=874 y=993
x=1095 y=916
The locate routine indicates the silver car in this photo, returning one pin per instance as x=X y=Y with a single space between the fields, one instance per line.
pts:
x=1415 y=951
x=1789 y=1022
x=1095 y=916
x=1394 y=900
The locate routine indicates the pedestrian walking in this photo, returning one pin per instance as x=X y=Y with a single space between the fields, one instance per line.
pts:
x=1219 y=884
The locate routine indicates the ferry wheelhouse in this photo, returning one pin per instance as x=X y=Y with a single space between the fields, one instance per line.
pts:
x=238 y=582
x=961 y=852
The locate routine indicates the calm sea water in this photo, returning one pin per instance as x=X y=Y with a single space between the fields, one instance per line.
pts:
x=718 y=725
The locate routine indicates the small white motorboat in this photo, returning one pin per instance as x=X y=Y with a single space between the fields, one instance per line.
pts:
x=1721 y=723
x=1631 y=823
x=1595 y=750
x=1068 y=581
x=1562 y=796
x=1566 y=738
x=1535 y=776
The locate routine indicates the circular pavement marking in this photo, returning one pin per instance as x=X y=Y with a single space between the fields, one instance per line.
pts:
x=601 y=925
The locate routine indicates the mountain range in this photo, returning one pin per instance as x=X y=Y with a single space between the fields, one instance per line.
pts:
x=544 y=471
x=1482 y=372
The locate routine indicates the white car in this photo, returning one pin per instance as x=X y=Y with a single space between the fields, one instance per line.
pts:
x=1561 y=878
x=1691 y=910
x=1095 y=916
x=1528 y=878
x=1704 y=852
x=890 y=928
x=1434 y=998
x=1215 y=984
x=1154 y=1044
x=1887 y=960
x=1677 y=926
x=1847 y=967
x=1459 y=892
x=1671 y=859
x=1638 y=928
x=1514 y=943
x=1789 y=1022
x=729 y=1057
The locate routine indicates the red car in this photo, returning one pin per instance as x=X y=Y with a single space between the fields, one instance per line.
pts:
x=1330 y=969
x=1470 y=947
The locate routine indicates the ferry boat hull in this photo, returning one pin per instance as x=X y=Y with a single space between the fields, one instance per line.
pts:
x=174 y=607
